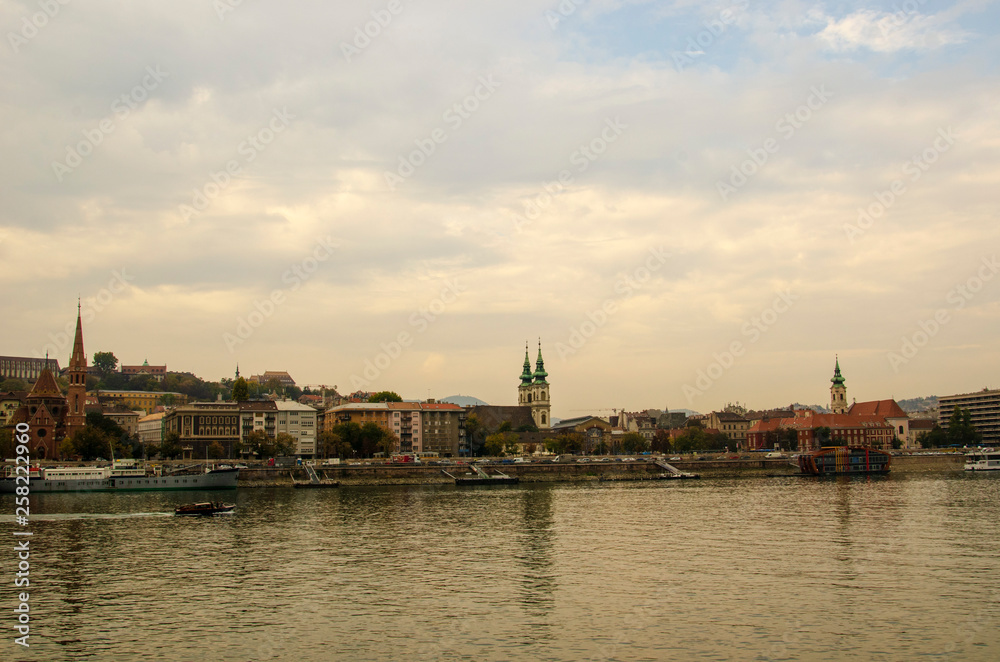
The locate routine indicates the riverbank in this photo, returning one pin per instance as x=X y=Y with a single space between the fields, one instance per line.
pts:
x=407 y=474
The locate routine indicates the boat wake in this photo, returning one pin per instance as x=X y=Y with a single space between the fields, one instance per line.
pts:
x=62 y=517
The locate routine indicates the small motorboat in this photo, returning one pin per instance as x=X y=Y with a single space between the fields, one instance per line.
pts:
x=204 y=508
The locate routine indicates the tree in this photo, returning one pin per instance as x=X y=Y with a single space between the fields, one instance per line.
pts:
x=293 y=392
x=143 y=383
x=13 y=384
x=633 y=442
x=661 y=442
x=91 y=443
x=66 y=449
x=373 y=438
x=936 y=438
x=475 y=435
x=327 y=443
x=98 y=420
x=574 y=442
x=216 y=451
x=171 y=445
x=7 y=442
x=106 y=362
x=511 y=443
x=530 y=448
x=285 y=444
x=240 y=390
x=556 y=445
x=385 y=396
x=494 y=444
x=113 y=381
x=961 y=431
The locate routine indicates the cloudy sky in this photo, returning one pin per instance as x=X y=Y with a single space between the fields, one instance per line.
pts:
x=690 y=203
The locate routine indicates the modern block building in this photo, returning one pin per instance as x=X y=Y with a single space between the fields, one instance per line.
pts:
x=299 y=421
x=984 y=410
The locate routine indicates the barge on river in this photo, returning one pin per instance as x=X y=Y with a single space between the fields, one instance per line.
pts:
x=845 y=460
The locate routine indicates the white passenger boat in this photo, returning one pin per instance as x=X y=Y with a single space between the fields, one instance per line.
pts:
x=121 y=476
x=983 y=459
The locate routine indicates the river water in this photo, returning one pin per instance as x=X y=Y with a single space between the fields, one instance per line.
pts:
x=902 y=567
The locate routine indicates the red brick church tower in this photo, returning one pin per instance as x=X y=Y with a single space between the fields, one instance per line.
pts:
x=76 y=393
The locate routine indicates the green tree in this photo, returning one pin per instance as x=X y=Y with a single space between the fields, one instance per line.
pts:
x=240 y=390
x=7 y=445
x=575 y=442
x=556 y=445
x=661 y=442
x=106 y=362
x=13 y=384
x=328 y=443
x=494 y=444
x=171 y=446
x=285 y=444
x=511 y=443
x=91 y=443
x=293 y=392
x=216 y=450
x=373 y=438
x=961 y=431
x=385 y=396
x=504 y=427
x=633 y=442
x=935 y=438
x=66 y=449
x=98 y=420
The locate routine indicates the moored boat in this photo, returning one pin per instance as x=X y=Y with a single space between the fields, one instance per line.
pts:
x=983 y=459
x=204 y=508
x=845 y=460
x=121 y=475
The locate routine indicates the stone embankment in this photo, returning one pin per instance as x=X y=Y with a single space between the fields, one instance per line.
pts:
x=383 y=474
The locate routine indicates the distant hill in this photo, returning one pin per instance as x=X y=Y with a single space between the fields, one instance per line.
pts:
x=820 y=409
x=913 y=405
x=463 y=400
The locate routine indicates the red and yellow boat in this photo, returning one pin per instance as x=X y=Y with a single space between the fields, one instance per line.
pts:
x=845 y=460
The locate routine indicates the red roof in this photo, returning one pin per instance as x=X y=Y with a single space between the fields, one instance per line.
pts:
x=884 y=408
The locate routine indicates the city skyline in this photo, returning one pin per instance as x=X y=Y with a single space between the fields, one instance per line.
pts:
x=688 y=204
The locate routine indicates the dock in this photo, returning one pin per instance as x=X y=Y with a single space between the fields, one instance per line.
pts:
x=315 y=482
x=673 y=472
x=483 y=478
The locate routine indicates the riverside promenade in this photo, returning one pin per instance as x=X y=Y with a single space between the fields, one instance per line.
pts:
x=541 y=472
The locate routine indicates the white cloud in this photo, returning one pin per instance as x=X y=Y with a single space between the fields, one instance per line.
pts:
x=889 y=32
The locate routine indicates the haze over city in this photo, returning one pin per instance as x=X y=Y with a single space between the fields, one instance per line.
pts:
x=689 y=203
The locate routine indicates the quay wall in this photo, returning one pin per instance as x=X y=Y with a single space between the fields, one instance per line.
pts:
x=387 y=474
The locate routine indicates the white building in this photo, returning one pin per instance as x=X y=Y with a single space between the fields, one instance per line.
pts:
x=151 y=429
x=299 y=421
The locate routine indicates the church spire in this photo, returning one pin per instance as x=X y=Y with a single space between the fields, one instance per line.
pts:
x=526 y=372
x=78 y=360
x=540 y=373
x=838 y=379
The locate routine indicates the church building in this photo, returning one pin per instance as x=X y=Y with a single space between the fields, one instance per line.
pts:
x=51 y=416
x=533 y=391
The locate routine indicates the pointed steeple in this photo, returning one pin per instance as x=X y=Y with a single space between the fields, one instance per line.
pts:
x=540 y=373
x=78 y=360
x=526 y=372
x=838 y=379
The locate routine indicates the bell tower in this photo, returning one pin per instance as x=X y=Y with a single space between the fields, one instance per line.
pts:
x=540 y=405
x=838 y=392
x=76 y=394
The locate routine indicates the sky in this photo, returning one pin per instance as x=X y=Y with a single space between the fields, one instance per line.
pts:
x=689 y=203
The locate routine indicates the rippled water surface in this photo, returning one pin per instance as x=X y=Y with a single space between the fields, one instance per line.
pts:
x=905 y=567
